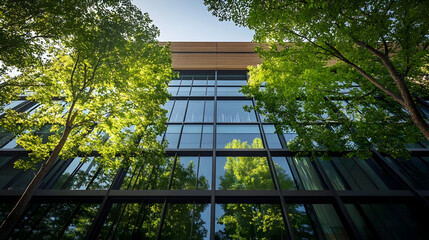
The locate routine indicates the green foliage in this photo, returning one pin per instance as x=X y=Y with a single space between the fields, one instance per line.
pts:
x=111 y=76
x=319 y=86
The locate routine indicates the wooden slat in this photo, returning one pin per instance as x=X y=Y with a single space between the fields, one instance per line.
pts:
x=213 y=55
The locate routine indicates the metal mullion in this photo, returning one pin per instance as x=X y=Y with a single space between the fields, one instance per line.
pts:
x=283 y=207
x=164 y=208
x=213 y=190
x=339 y=205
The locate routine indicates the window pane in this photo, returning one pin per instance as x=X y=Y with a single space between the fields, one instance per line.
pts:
x=168 y=106
x=178 y=111
x=190 y=220
x=184 y=91
x=284 y=174
x=173 y=90
x=198 y=91
x=185 y=173
x=200 y=82
x=238 y=136
x=308 y=176
x=232 y=111
x=195 y=111
x=205 y=173
x=243 y=173
x=132 y=221
x=175 y=82
x=210 y=91
x=47 y=220
x=331 y=224
x=186 y=82
x=231 y=82
x=209 y=110
x=249 y=221
x=272 y=137
x=229 y=91
x=172 y=135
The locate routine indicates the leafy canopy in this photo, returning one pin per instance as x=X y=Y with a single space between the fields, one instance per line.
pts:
x=330 y=85
x=111 y=78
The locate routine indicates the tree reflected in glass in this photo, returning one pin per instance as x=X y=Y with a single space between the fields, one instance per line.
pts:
x=256 y=221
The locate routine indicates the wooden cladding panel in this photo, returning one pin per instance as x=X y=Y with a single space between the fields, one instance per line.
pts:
x=213 y=46
x=214 y=61
x=213 y=55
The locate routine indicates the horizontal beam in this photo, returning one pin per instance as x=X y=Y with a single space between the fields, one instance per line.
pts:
x=221 y=196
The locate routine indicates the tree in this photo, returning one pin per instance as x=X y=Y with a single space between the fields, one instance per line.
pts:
x=111 y=76
x=375 y=49
x=27 y=28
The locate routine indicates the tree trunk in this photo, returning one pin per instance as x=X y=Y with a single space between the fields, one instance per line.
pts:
x=409 y=103
x=18 y=211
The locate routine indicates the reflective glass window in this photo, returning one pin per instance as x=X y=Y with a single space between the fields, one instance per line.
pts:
x=178 y=112
x=231 y=76
x=396 y=221
x=229 y=91
x=186 y=82
x=243 y=173
x=273 y=139
x=309 y=178
x=195 y=111
x=231 y=82
x=192 y=173
x=210 y=91
x=207 y=137
x=200 y=82
x=172 y=135
x=132 y=221
x=232 y=111
x=175 y=82
x=146 y=174
x=191 y=136
x=190 y=220
x=184 y=91
x=209 y=111
x=238 y=136
x=331 y=225
x=173 y=90
x=168 y=106
x=414 y=170
x=198 y=91
x=249 y=221
x=355 y=174
x=284 y=173
x=56 y=221
x=12 y=105
x=84 y=174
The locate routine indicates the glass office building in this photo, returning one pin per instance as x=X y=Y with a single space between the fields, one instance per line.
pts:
x=227 y=175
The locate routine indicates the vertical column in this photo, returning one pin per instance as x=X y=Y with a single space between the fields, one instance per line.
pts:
x=213 y=191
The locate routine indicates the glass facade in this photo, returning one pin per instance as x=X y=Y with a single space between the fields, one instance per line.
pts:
x=227 y=175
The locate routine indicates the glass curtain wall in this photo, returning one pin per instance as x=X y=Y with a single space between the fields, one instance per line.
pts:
x=227 y=175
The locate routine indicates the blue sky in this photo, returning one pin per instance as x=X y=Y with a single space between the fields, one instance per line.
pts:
x=189 y=20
